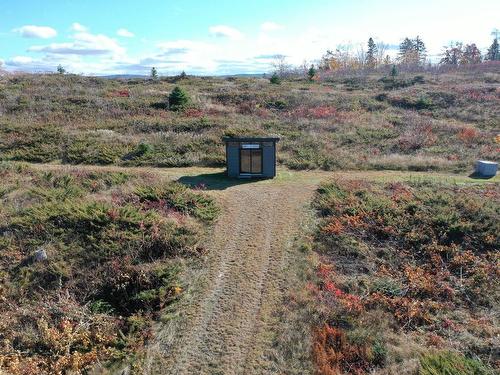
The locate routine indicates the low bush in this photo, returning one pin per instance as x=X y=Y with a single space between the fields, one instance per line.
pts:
x=111 y=262
x=179 y=198
x=93 y=150
x=89 y=120
x=420 y=253
x=453 y=364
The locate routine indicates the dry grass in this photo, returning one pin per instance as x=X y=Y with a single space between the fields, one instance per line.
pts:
x=440 y=122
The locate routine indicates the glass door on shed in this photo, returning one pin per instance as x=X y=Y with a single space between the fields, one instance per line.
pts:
x=251 y=159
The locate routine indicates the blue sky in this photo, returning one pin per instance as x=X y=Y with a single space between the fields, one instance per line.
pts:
x=221 y=36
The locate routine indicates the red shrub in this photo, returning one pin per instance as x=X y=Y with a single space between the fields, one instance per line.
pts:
x=193 y=112
x=320 y=112
x=334 y=355
x=468 y=135
x=120 y=94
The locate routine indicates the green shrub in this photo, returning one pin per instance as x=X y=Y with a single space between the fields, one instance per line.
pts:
x=180 y=198
x=178 y=99
x=275 y=79
x=91 y=150
x=449 y=363
x=39 y=146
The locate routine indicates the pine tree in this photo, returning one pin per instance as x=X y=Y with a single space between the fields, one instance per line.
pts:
x=311 y=72
x=406 y=51
x=394 y=71
x=154 y=73
x=493 y=53
x=412 y=51
x=420 y=50
x=178 y=99
x=371 y=54
x=60 y=69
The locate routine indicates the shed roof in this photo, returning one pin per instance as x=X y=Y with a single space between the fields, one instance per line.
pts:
x=250 y=139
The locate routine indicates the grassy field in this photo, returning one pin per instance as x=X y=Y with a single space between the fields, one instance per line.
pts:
x=108 y=262
x=412 y=122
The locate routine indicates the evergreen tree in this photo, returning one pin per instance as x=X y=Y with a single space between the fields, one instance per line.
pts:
x=183 y=75
x=493 y=53
x=311 y=72
x=394 y=71
x=412 y=51
x=371 y=54
x=154 y=73
x=420 y=49
x=275 y=79
x=60 y=69
x=406 y=52
x=178 y=99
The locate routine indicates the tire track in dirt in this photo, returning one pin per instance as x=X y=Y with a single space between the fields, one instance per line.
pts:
x=228 y=331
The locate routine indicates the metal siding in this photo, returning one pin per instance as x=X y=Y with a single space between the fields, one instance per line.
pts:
x=233 y=159
x=269 y=161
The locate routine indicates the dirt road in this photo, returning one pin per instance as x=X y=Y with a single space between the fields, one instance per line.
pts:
x=228 y=330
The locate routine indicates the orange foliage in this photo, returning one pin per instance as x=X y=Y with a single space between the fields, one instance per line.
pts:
x=119 y=94
x=468 y=135
x=334 y=355
x=337 y=225
x=408 y=311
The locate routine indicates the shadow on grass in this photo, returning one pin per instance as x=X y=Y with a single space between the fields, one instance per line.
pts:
x=214 y=181
x=477 y=176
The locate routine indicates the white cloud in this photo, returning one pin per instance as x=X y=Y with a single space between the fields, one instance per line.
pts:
x=83 y=43
x=32 y=31
x=270 y=26
x=78 y=27
x=125 y=33
x=20 y=60
x=223 y=31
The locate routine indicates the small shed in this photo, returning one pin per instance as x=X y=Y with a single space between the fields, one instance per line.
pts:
x=250 y=157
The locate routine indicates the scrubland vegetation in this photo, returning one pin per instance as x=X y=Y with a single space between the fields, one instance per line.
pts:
x=88 y=261
x=411 y=121
x=407 y=278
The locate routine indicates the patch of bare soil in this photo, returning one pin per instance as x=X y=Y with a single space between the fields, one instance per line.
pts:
x=228 y=329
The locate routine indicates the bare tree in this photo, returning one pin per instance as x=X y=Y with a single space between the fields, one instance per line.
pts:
x=361 y=56
x=382 y=52
x=281 y=67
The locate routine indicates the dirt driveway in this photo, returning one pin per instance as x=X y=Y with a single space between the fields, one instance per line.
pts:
x=228 y=330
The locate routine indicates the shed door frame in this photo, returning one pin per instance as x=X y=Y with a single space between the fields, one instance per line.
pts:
x=252 y=152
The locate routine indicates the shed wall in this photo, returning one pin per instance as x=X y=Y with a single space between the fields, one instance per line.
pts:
x=268 y=159
x=233 y=159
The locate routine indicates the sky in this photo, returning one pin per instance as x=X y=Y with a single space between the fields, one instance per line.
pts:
x=208 y=37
